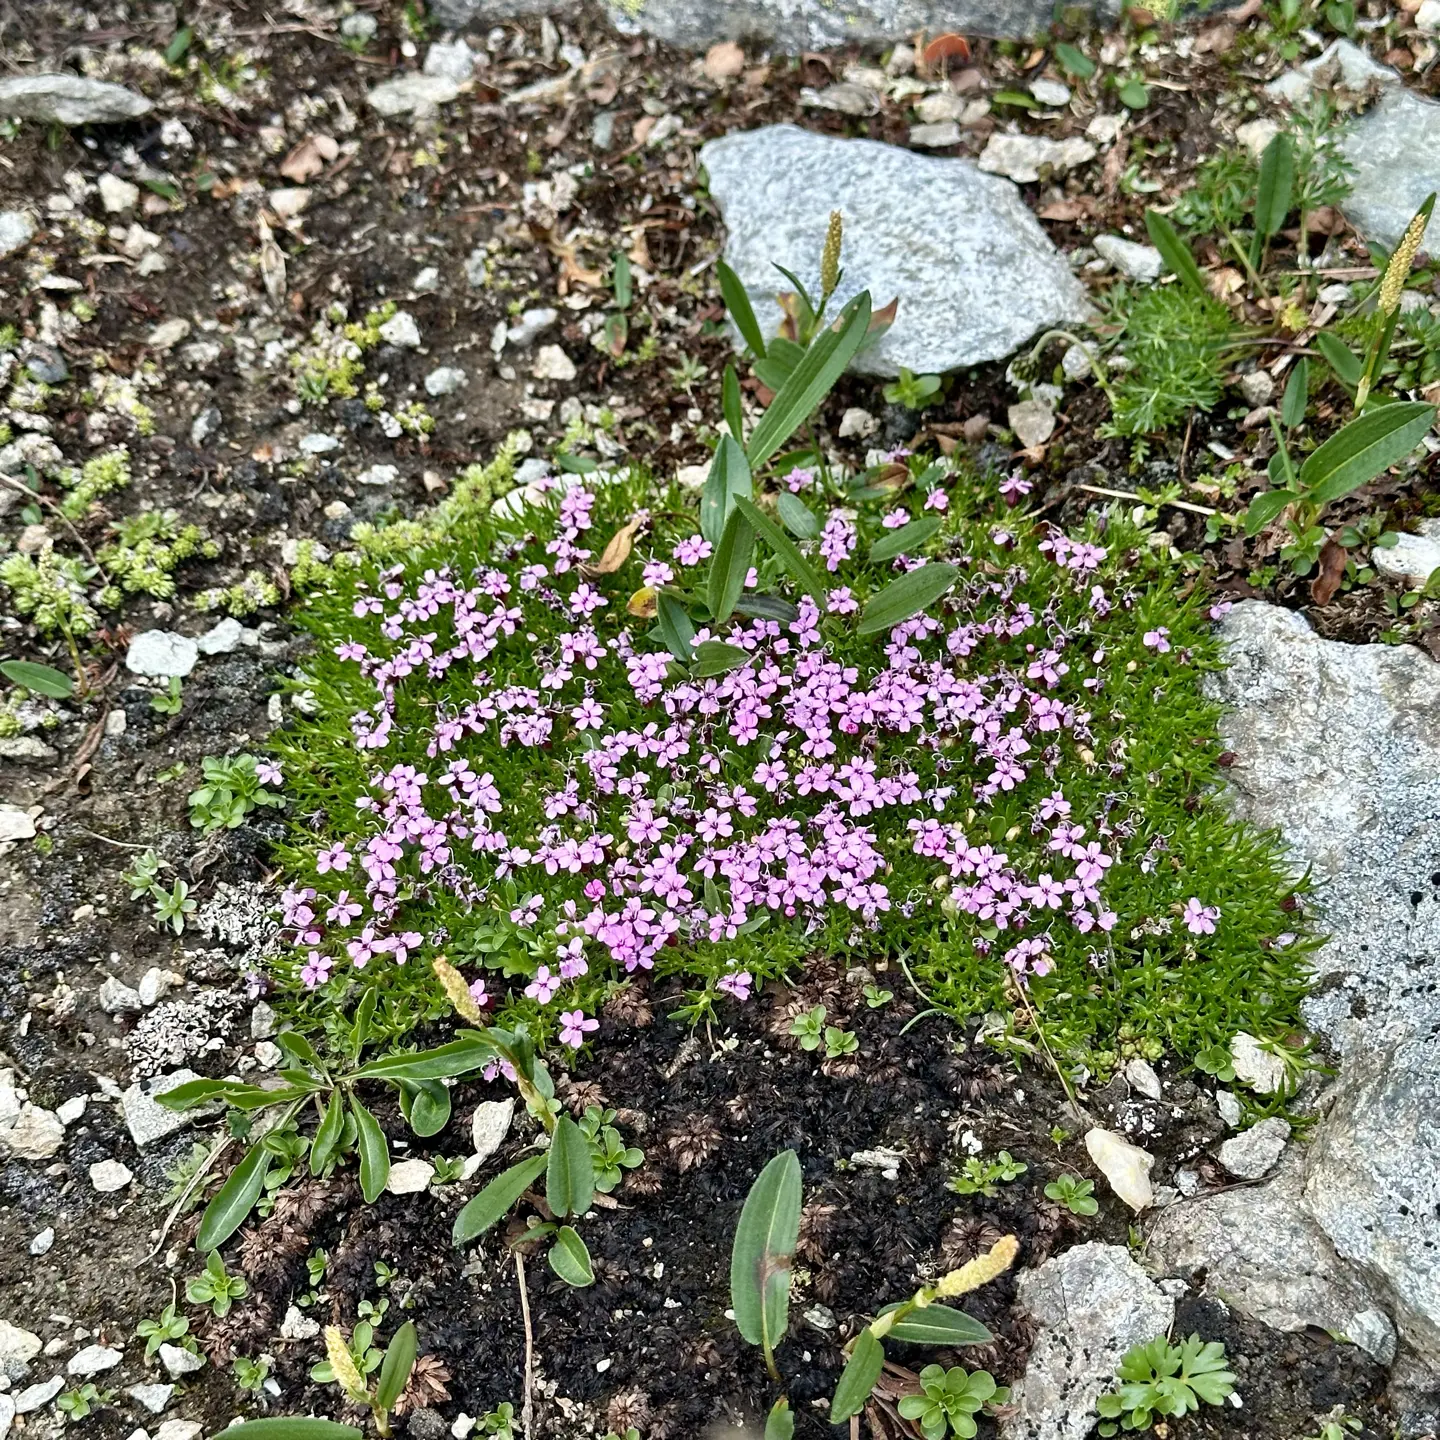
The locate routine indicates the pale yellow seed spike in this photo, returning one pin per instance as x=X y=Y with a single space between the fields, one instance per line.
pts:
x=980 y=1271
x=456 y=991
x=1397 y=272
x=830 y=256
x=347 y=1372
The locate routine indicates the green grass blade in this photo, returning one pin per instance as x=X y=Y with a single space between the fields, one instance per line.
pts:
x=1277 y=183
x=730 y=565
x=234 y=1200
x=858 y=1379
x=374 y=1152
x=805 y=575
x=1175 y=252
x=907 y=540
x=729 y=477
x=737 y=302
x=570 y=1172
x=396 y=1367
x=493 y=1203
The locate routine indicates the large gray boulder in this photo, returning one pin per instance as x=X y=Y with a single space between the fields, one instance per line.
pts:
x=975 y=275
x=70 y=100
x=1395 y=149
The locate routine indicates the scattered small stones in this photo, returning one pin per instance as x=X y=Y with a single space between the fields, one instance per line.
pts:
x=69 y=100
x=36 y=1134
x=178 y=1362
x=523 y=332
x=223 y=638
x=401 y=330
x=552 y=363
x=108 y=1176
x=92 y=1360
x=1050 y=92
x=15 y=824
x=162 y=654
x=444 y=380
x=1254 y=1152
x=297 y=1325
x=1125 y=1166
x=857 y=424
x=1262 y=1070
x=1022 y=157
x=47 y=365
x=1139 y=262
x=1344 y=67
x=409 y=1177
x=117 y=998
x=489 y=1126
x=42 y=1242
x=33 y=1397
x=1257 y=387
x=1142 y=1077
x=935 y=137
x=378 y=475
x=17 y=229
x=18 y=1347
x=454 y=61
x=1033 y=422
x=147 y=1119
x=154 y=1397
x=67 y=1112
x=206 y=426
x=1229 y=1107
x=846 y=98
x=420 y=95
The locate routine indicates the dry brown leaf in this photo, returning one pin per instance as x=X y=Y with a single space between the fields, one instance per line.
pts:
x=724 y=61
x=884 y=317
x=893 y=477
x=1329 y=573
x=1215 y=39
x=1076 y=209
x=309 y=158
x=617 y=550
x=1225 y=281
x=944 y=48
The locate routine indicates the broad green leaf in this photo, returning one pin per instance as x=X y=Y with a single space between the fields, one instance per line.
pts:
x=1265 y=507
x=780 y=1423
x=764 y=1248
x=675 y=627
x=731 y=406
x=570 y=1172
x=234 y=1200
x=730 y=565
x=328 y=1133
x=569 y=1258
x=1297 y=395
x=1364 y=448
x=858 y=1379
x=494 y=1202
x=810 y=381
x=729 y=477
x=426 y=1105
x=796 y=516
x=737 y=302
x=907 y=596
x=938 y=1325
x=291 y=1427
x=395 y=1369
x=907 y=540
x=1175 y=252
x=715 y=657
x=1277 y=181
x=1074 y=62
x=804 y=574
x=374 y=1152
x=456 y=1058
x=1346 y=364
x=39 y=679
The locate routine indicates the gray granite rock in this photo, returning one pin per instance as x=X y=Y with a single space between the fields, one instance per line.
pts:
x=1253 y=1153
x=70 y=100
x=1092 y=1302
x=974 y=273
x=1413 y=558
x=1395 y=149
x=16 y=231
x=146 y=1118
x=413 y=94
x=161 y=653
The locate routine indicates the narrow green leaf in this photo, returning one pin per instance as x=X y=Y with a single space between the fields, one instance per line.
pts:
x=233 y=1201
x=179 y=44
x=569 y=1258
x=858 y=1379
x=1346 y=364
x=938 y=1325
x=780 y=1423
x=456 y=1058
x=807 y=303
x=493 y=1203
x=730 y=404
x=729 y=478
x=570 y=1172
x=1074 y=62
x=1265 y=507
x=1175 y=252
x=291 y=1427
x=232 y=1092
x=328 y=1133
x=907 y=596
x=804 y=574
x=796 y=516
x=907 y=540
x=1297 y=394
x=428 y=1107
x=782 y=358
x=737 y=302
x=1364 y=448
x=730 y=565
x=39 y=679
x=715 y=657
x=620 y=280
x=764 y=1248
x=675 y=627
x=298 y=1048
x=374 y=1152
x=395 y=1369
x=1277 y=181
x=767 y=607
x=811 y=380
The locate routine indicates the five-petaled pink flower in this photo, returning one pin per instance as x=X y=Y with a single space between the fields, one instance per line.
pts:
x=1200 y=919
x=574 y=1026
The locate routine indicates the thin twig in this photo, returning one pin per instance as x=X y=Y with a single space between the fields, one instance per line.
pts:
x=1131 y=495
x=186 y=1193
x=45 y=500
x=1060 y=1075
x=527 y=1410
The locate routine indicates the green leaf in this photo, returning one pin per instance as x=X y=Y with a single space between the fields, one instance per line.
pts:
x=938 y=1325
x=298 y=1049
x=1019 y=98
x=728 y=479
x=1134 y=94
x=291 y=1427
x=1346 y=364
x=780 y=1423
x=861 y=1372
x=428 y=1107
x=1175 y=252
x=620 y=280
x=1265 y=507
x=570 y=1173
x=1277 y=181
x=767 y=607
x=328 y=1133
x=715 y=657
x=569 y=1258
x=234 y=1200
x=39 y=679
x=907 y=540
x=456 y=1058
x=907 y=596
x=764 y=1248
x=232 y=1092
x=730 y=405
x=1074 y=62
x=1297 y=395
x=374 y=1152
x=782 y=358
x=396 y=1367
x=810 y=381
x=796 y=516
x=179 y=44
x=675 y=626
x=737 y=302
x=1364 y=448
x=495 y=1200
x=800 y=569
x=730 y=566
